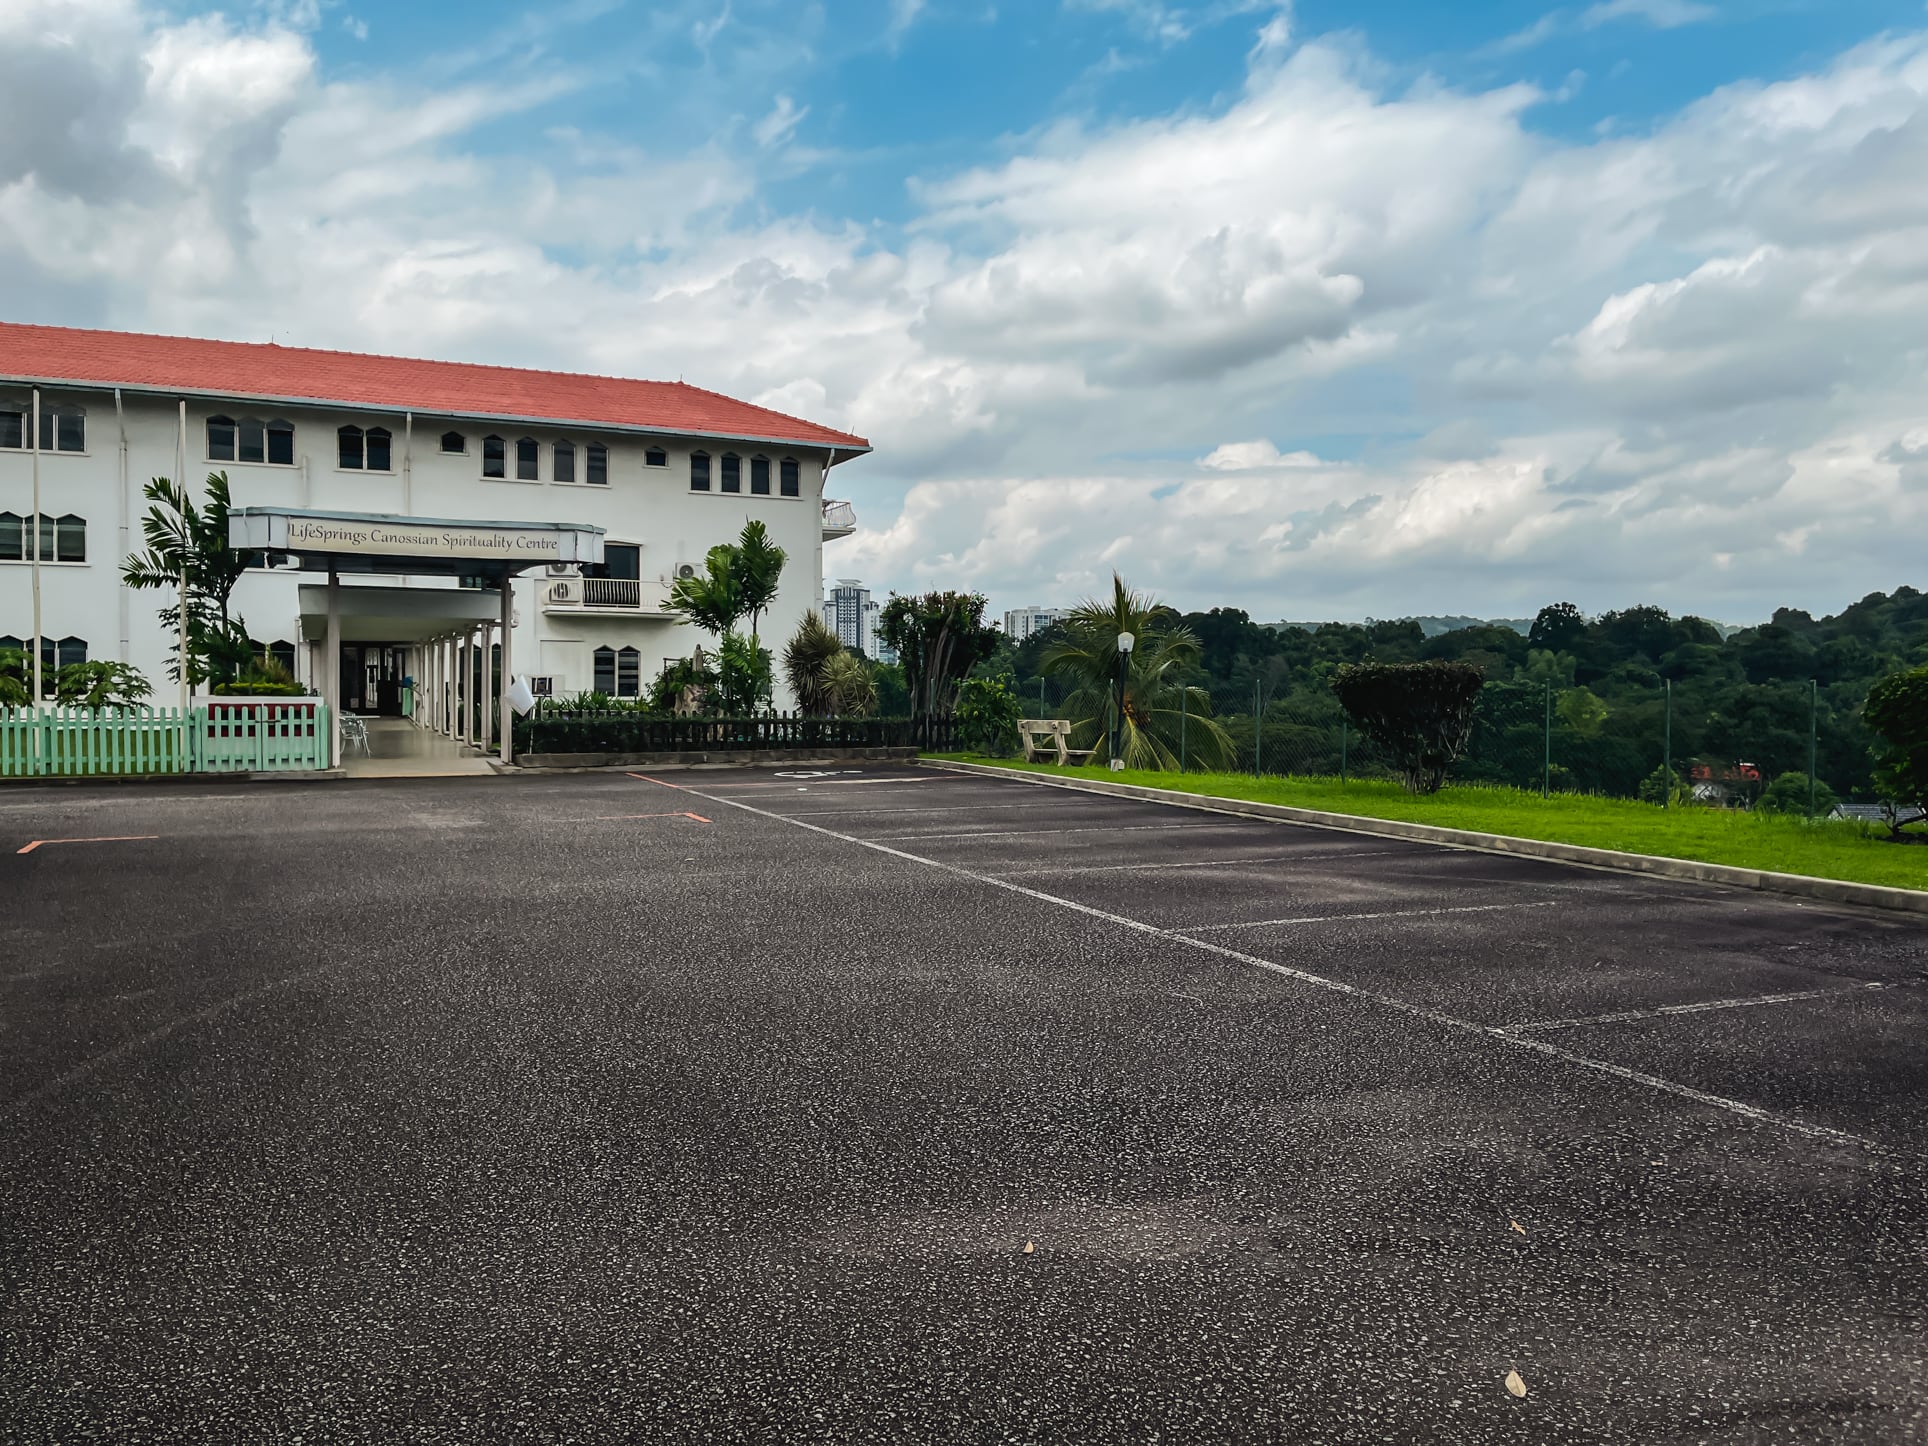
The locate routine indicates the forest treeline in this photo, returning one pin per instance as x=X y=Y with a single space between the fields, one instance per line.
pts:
x=1745 y=698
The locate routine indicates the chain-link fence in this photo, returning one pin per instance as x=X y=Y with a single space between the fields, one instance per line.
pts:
x=1536 y=737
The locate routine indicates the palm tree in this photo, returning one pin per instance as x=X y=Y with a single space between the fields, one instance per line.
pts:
x=759 y=567
x=188 y=552
x=713 y=599
x=1157 y=707
x=804 y=659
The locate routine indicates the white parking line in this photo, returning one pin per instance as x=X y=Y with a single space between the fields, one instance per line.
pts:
x=1041 y=832
x=1377 y=914
x=1206 y=863
x=901 y=812
x=1628 y=1016
x=1335 y=986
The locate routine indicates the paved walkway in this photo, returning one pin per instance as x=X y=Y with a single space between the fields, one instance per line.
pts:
x=398 y=748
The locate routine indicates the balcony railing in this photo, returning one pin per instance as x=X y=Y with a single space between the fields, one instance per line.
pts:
x=839 y=519
x=605 y=594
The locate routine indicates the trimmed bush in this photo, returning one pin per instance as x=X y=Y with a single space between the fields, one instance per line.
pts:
x=1420 y=713
x=987 y=717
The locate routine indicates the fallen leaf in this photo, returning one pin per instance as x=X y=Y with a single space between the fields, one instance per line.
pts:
x=1030 y=1247
x=1517 y=1226
x=1515 y=1384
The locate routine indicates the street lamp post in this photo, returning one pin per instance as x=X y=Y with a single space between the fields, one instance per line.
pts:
x=1125 y=641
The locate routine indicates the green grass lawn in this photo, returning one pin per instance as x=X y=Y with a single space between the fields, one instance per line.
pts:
x=1716 y=836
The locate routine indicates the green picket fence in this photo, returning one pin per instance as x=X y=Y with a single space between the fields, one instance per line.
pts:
x=221 y=737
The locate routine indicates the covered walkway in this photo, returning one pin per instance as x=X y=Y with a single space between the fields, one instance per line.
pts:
x=398 y=748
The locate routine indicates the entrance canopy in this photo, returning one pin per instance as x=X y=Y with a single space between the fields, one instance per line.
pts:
x=374 y=542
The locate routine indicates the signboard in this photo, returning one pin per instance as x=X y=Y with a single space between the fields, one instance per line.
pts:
x=402 y=538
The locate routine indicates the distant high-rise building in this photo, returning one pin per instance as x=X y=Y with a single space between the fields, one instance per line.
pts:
x=1020 y=623
x=851 y=614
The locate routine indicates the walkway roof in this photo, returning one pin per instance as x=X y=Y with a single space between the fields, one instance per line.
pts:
x=376 y=542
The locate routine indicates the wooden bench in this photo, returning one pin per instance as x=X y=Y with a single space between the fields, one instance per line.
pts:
x=1046 y=739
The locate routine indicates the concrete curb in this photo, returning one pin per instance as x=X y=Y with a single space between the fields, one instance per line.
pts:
x=1833 y=891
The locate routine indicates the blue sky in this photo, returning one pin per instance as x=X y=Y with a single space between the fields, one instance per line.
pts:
x=1318 y=309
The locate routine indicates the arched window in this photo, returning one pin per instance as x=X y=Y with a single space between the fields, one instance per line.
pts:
x=789 y=477
x=13 y=425
x=732 y=472
x=760 y=476
x=13 y=537
x=598 y=458
x=283 y=652
x=492 y=457
x=528 y=457
x=63 y=428
x=10 y=644
x=699 y=471
x=220 y=439
x=629 y=673
x=563 y=462
x=454 y=442
x=281 y=443
x=348 y=448
x=379 y=449
x=70 y=651
x=69 y=541
x=252 y=442
x=605 y=676
x=655 y=457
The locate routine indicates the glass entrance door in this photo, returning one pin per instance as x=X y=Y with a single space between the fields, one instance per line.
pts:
x=371 y=678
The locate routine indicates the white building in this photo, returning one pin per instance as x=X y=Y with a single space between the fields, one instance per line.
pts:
x=663 y=470
x=1021 y=623
x=852 y=616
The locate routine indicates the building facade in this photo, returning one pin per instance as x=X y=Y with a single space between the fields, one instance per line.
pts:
x=665 y=470
x=1021 y=623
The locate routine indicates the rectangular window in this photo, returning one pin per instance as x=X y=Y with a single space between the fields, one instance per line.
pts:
x=629 y=673
x=70 y=540
x=13 y=430
x=13 y=538
x=789 y=477
x=378 y=450
x=492 y=455
x=732 y=473
x=759 y=476
x=598 y=465
x=220 y=439
x=254 y=443
x=699 y=471
x=63 y=431
x=350 y=452
x=622 y=560
x=564 y=466
x=605 y=679
x=528 y=456
x=281 y=444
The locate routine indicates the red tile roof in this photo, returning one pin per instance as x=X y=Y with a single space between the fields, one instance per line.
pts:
x=266 y=372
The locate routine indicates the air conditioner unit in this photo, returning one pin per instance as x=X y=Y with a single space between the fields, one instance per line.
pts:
x=562 y=592
x=562 y=569
x=686 y=569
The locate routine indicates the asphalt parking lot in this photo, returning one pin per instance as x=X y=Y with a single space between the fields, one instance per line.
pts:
x=897 y=1105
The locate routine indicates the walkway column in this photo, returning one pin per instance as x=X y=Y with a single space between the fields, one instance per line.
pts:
x=485 y=693
x=506 y=717
x=331 y=669
x=476 y=680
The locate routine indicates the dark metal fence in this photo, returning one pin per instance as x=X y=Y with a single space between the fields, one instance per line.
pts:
x=1531 y=736
x=554 y=730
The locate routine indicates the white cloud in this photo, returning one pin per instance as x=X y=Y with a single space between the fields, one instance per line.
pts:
x=1663 y=14
x=1252 y=456
x=1553 y=368
x=781 y=123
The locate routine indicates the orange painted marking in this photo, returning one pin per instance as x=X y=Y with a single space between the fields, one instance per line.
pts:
x=117 y=838
x=615 y=817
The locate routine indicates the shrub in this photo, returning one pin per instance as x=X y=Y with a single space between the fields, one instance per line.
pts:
x=805 y=657
x=849 y=689
x=1789 y=794
x=1664 y=786
x=987 y=717
x=1420 y=713
x=1897 y=709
